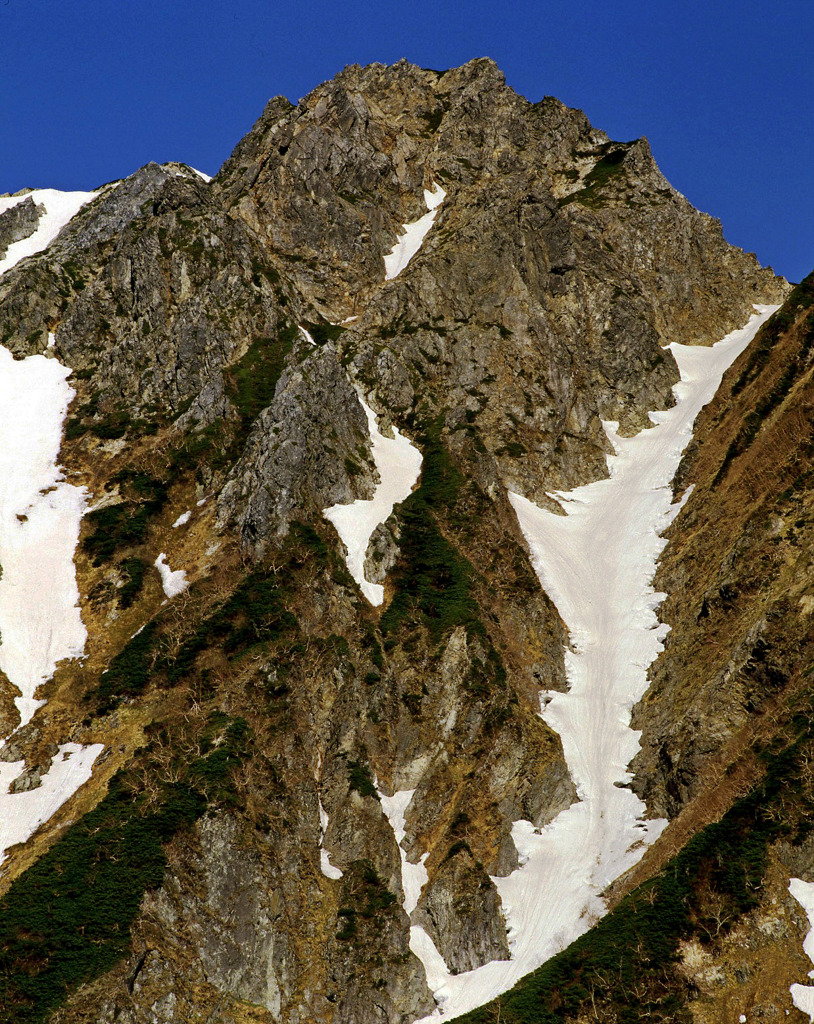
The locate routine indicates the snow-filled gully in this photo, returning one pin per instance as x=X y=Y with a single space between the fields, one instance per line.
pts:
x=40 y=514
x=398 y=464
x=596 y=563
x=411 y=237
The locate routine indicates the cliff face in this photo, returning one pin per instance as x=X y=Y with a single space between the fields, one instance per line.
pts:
x=293 y=776
x=737 y=570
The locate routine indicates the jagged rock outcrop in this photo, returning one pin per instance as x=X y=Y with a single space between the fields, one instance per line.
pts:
x=314 y=420
x=461 y=912
x=18 y=222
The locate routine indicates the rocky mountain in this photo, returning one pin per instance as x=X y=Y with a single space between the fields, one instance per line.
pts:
x=278 y=635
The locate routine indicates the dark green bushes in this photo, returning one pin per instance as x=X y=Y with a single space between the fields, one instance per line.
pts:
x=133 y=571
x=224 y=744
x=254 y=614
x=250 y=382
x=360 y=779
x=322 y=333
x=130 y=671
x=364 y=899
x=125 y=524
x=607 y=169
x=433 y=581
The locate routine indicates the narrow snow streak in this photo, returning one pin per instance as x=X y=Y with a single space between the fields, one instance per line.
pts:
x=413 y=879
x=411 y=236
x=60 y=207
x=327 y=869
x=596 y=563
x=413 y=876
x=40 y=514
x=803 y=995
x=398 y=464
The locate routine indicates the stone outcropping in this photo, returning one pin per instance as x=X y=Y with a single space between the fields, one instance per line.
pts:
x=18 y=222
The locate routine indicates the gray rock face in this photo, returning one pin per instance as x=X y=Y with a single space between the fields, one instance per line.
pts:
x=461 y=911
x=151 y=290
x=308 y=450
x=18 y=222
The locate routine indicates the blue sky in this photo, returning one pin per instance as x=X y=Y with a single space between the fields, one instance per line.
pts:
x=92 y=89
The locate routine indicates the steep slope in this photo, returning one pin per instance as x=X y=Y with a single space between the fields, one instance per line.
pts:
x=309 y=805
x=710 y=924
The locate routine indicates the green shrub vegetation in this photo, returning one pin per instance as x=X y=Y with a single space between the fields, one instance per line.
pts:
x=125 y=524
x=324 y=332
x=254 y=614
x=251 y=381
x=133 y=571
x=130 y=670
x=433 y=580
x=360 y=779
x=364 y=899
x=608 y=169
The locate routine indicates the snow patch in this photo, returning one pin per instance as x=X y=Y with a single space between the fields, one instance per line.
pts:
x=182 y=520
x=411 y=237
x=40 y=514
x=803 y=995
x=596 y=563
x=60 y=207
x=308 y=337
x=172 y=582
x=398 y=464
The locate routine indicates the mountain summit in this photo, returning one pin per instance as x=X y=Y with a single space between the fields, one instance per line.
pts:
x=325 y=618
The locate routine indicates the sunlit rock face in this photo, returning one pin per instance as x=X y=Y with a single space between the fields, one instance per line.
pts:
x=320 y=648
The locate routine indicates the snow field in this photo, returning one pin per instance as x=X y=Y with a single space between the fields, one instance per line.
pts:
x=596 y=563
x=40 y=515
x=803 y=995
x=411 y=237
x=60 y=207
x=22 y=813
x=398 y=464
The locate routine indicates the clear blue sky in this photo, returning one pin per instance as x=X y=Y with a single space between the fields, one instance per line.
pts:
x=93 y=89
